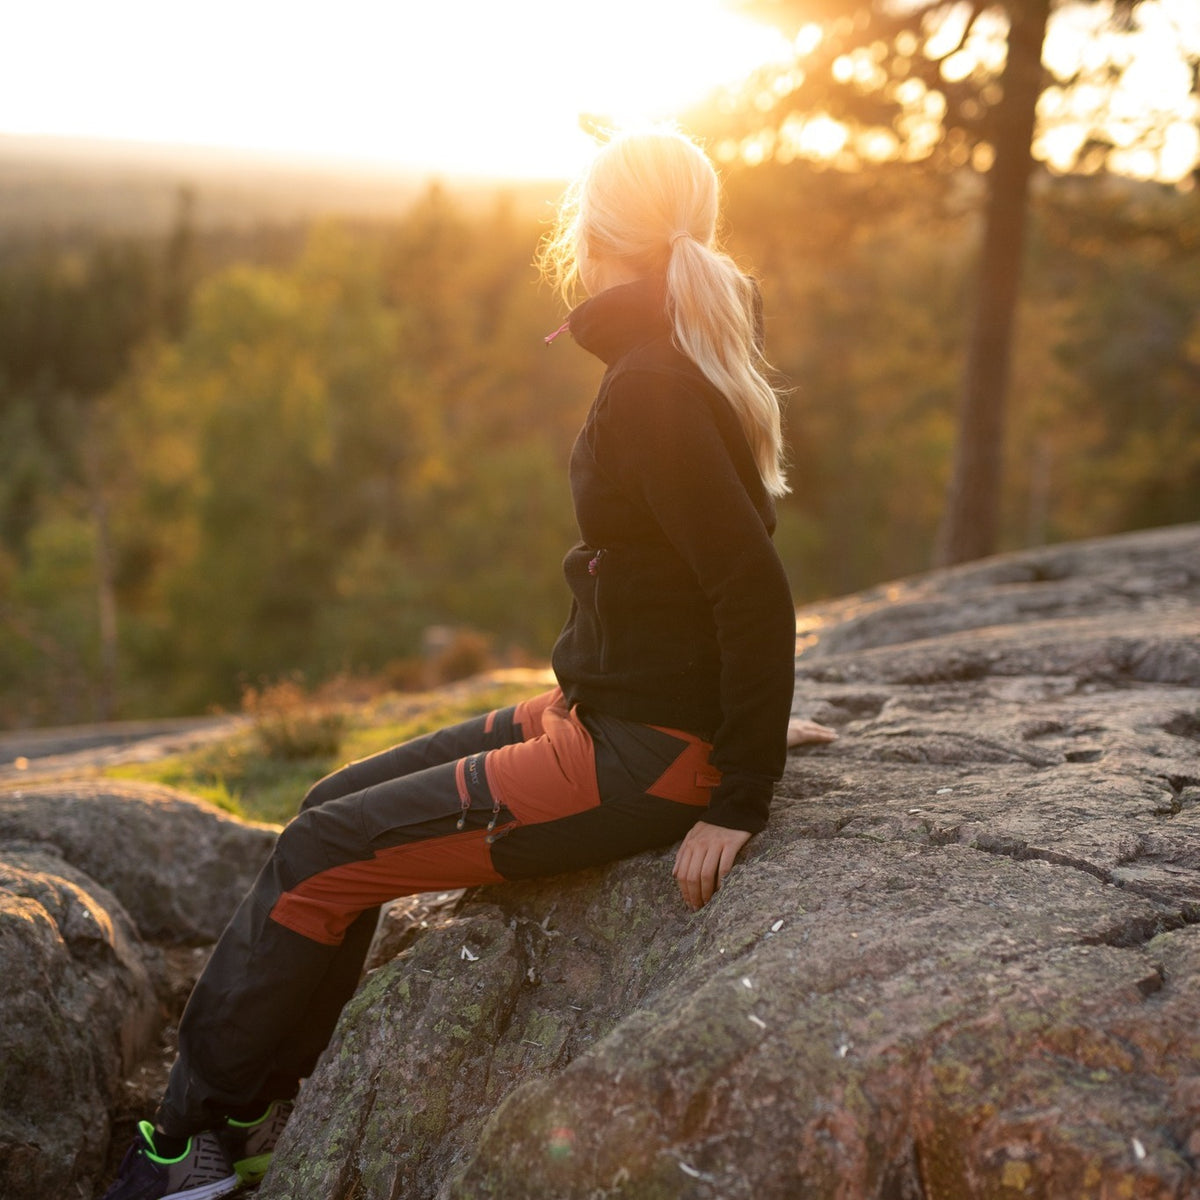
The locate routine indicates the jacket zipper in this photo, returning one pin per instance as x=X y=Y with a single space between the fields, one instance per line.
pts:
x=593 y=568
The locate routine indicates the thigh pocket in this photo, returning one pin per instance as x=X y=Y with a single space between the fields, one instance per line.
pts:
x=669 y=764
x=416 y=805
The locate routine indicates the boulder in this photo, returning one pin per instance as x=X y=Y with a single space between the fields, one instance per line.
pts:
x=962 y=961
x=179 y=866
x=101 y=884
x=77 y=1009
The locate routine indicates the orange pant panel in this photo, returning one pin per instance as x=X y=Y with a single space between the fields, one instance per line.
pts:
x=323 y=905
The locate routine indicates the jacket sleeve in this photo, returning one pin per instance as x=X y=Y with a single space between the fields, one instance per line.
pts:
x=663 y=445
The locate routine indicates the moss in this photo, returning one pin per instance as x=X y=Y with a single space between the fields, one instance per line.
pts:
x=544 y=1027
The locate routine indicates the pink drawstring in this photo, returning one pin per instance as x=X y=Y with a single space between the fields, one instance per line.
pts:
x=561 y=329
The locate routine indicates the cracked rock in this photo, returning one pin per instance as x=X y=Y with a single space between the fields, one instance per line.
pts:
x=970 y=932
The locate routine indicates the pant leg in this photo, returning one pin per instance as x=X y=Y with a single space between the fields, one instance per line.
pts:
x=298 y=1054
x=653 y=784
x=275 y=1033
x=533 y=807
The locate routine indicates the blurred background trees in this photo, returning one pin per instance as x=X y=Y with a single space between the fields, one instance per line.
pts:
x=359 y=434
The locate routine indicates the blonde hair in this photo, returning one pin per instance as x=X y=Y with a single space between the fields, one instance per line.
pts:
x=650 y=202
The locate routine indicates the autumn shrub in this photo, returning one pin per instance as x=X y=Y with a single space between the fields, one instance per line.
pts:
x=467 y=653
x=290 y=724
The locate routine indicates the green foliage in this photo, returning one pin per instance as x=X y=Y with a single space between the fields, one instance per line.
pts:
x=343 y=449
x=341 y=463
x=236 y=776
x=864 y=312
x=866 y=286
x=48 y=615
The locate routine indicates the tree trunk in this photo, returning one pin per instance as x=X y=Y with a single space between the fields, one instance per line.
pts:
x=970 y=524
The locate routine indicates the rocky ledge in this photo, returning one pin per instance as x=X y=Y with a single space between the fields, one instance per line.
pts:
x=963 y=961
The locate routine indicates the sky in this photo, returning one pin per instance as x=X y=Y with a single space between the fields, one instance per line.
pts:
x=492 y=87
x=495 y=87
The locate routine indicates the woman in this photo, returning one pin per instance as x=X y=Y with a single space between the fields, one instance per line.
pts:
x=675 y=673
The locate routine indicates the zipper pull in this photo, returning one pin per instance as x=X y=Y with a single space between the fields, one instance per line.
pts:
x=594 y=562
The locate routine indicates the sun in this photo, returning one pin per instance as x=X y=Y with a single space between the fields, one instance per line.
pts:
x=632 y=62
x=499 y=88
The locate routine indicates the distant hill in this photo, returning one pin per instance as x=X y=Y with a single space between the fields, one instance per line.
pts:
x=64 y=185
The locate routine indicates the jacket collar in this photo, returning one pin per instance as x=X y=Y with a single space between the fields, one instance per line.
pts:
x=615 y=321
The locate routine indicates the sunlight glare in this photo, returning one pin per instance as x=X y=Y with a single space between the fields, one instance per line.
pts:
x=1180 y=151
x=472 y=87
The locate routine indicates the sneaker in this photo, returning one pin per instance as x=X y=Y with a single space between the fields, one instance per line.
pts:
x=250 y=1144
x=201 y=1172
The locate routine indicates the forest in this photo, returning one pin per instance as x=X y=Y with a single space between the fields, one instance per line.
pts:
x=326 y=450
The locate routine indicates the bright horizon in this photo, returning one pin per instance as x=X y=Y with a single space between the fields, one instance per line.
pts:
x=495 y=88
x=476 y=87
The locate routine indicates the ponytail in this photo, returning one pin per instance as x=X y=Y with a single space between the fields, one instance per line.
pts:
x=713 y=309
x=650 y=201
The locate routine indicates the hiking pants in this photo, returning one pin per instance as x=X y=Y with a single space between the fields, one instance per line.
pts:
x=531 y=790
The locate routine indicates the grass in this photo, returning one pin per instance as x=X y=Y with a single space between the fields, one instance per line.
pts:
x=249 y=776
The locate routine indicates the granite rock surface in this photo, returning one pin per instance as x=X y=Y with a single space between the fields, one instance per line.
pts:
x=962 y=961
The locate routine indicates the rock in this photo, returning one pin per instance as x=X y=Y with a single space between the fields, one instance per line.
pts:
x=77 y=1009
x=1139 y=574
x=404 y=920
x=962 y=961
x=179 y=866
x=90 y=873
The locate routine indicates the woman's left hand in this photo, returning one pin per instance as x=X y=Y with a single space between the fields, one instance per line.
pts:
x=802 y=732
x=704 y=858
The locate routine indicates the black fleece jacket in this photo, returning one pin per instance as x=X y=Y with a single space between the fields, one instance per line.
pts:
x=682 y=615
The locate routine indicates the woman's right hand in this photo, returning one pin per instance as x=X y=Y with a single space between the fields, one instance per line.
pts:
x=703 y=860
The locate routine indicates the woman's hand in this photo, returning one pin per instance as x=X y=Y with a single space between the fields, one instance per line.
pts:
x=704 y=858
x=802 y=731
